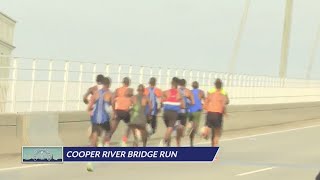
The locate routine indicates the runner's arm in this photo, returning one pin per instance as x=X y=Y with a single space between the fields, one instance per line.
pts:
x=206 y=103
x=86 y=95
x=179 y=98
x=108 y=97
x=202 y=97
x=159 y=95
x=163 y=98
x=191 y=97
x=129 y=92
x=90 y=103
x=133 y=100
x=227 y=101
x=150 y=107
x=113 y=99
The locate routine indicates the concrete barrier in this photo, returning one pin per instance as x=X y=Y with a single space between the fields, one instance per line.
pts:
x=38 y=129
x=73 y=126
x=70 y=128
x=8 y=134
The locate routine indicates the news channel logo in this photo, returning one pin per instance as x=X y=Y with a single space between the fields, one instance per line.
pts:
x=39 y=154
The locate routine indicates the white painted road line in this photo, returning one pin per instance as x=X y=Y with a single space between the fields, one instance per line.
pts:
x=231 y=139
x=24 y=167
x=256 y=171
x=264 y=134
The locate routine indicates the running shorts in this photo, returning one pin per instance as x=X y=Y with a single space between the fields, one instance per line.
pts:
x=214 y=120
x=170 y=118
x=182 y=117
x=99 y=128
x=195 y=117
x=123 y=115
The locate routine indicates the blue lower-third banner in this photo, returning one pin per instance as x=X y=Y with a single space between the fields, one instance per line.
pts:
x=139 y=154
x=118 y=154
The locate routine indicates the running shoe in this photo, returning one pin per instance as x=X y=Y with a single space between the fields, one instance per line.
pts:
x=124 y=144
x=162 y=143
x=204 y=133
x=106 y=144
x=100 y=142
x=149 y=130
x=189 y=129
x=124 y=141
x=90 y=167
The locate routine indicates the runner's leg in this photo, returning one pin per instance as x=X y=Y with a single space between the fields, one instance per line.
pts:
x=126 y=119
x=135 y=137
x=216 y=137
x=144 y=135
x=114 y=123
x=180 y=129
x=195 y=124
x=107 y=133
x=170 y=118
x=154 y=123
x=216 y=129
x=208 y=125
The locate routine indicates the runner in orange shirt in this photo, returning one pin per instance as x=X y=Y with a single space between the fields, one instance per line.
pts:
x=215 y=104
x=121 y=105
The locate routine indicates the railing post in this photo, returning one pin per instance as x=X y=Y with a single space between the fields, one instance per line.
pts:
x=176 y=72
x=130 y=71
x=184 y=73
x=107 y=69
x=32 y=83
x=80 y=85
x=94 y=72
x=141 y=74
x=65 y=86
x=190 y=76
x=160 y=76
x=203 y=78
x=229 y=79
x=209 y=81
x=119 y=75
x=168 y=78
x=13 y=88
x=198 y=76
x=151 y=71
x=49 y=84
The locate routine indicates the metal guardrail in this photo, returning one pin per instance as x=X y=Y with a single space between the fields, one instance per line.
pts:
x=58 y=85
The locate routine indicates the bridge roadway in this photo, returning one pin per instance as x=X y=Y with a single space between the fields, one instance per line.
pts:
x=285 y=151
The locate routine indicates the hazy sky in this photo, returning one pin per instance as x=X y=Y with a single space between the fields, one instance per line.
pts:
x=189 y=33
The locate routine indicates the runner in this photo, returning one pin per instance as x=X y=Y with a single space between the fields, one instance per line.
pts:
x=195 y=111
x=215 y=104
x=91 y=90
x=139 y=117
x=121 y=105
x=182 y=116
x=171 y=105
x=154 y=94
x=98 y=108
x=318 y=176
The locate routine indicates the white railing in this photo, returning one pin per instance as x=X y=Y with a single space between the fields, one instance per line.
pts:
x=58 y=85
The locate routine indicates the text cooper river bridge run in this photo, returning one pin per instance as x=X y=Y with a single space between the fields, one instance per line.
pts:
x=122 y=154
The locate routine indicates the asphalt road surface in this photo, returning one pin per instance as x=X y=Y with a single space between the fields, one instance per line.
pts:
x=279 y=153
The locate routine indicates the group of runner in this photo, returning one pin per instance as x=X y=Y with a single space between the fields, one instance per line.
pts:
x=182 y=110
